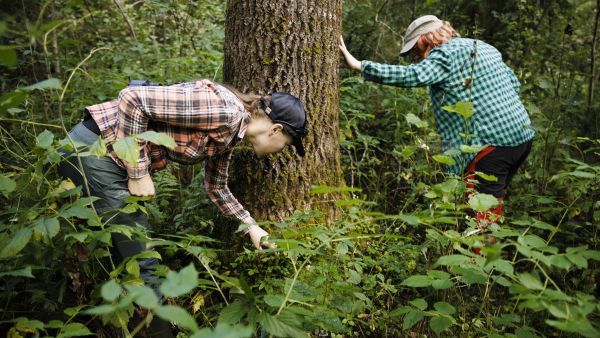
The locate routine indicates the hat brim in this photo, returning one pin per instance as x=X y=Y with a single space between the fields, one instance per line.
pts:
x=408 y=45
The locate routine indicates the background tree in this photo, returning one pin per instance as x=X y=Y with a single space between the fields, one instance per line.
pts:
x=287 y=46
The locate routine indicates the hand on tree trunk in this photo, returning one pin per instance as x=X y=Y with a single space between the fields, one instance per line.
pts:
x=351 y=61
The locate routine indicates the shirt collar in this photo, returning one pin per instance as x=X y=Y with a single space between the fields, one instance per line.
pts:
x=243 y=125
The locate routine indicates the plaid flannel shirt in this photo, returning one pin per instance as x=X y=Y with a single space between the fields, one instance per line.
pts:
x=205 y=119
x=499 y=116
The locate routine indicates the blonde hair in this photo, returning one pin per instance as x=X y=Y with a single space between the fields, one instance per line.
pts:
x=429 y=41
x=252 y=102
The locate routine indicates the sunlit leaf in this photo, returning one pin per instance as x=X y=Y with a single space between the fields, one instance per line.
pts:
x=180 y=283
x=483 y=202
x=127 y=149
x=7 y=185
x=44 y=139
x=16 y=243
x=160 y=139
x=46 y=84
x=444 y=159
x=464 y=109
x=177 y=315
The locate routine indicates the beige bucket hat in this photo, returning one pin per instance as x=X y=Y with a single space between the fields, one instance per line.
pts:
x=420 y=26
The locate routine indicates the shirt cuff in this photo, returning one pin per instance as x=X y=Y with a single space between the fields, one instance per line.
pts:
x=137 y=172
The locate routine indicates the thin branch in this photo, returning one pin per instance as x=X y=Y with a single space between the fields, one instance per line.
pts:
x=122 y=10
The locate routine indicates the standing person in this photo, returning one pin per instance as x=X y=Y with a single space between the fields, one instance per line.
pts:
x=206 y=120
x=460 y=69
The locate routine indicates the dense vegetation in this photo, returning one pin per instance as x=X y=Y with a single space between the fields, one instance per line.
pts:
x=396 y=263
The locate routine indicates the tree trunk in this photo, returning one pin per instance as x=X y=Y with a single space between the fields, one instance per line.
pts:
x=289 y=46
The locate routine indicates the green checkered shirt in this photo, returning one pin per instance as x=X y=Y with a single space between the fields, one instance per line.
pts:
x=499 y=116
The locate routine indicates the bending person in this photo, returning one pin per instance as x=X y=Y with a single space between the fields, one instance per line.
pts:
x=206 y=120
x=459 y=69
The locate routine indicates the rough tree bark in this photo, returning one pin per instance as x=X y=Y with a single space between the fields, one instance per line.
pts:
x=289 y=46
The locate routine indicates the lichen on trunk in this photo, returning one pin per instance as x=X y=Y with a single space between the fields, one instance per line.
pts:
x=287 y=46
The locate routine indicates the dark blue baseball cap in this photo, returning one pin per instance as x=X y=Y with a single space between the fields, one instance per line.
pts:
x=288 y=110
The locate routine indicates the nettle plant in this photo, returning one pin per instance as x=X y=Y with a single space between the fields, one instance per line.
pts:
x=521 y=274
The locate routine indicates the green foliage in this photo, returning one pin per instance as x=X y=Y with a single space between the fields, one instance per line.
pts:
x=398 y=261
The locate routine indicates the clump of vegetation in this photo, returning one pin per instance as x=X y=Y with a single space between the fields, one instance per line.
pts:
x=398 y=261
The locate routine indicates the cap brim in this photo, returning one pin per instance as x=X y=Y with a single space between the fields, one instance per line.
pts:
x=408 y=45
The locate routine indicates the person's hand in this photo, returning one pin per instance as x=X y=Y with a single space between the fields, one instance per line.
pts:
x=142 y=186
x=351 y=61
x=257 y=234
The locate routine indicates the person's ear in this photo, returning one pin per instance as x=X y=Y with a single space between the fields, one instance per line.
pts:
x=276 y=128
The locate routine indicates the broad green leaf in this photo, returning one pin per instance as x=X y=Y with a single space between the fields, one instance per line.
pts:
x=442 y=284
x=110 y=290
x=143 y=296
x=24 y=272
x=223 y=330
x=27 y=325
x=353 y=276
x=301 y=291
x=16 y=243
x=274 y=300
x=160 y=139
x=471 y=276
x=503 y=266
x=46 y=84
x=419 y=303
x=544 y=83
x=532 y=241
x=440 y=323
x=530 y=281
x=328 y=320
x=128 y=150
x=275 y=326
x=44 y=139
x=578 y=259
x=98 y=148
x=233 y=312
x=453 y=260
x=444 y=308
x=74 y=330
x=133 y=268
x=462 y=108
x=580 y=325
x=411 y=318
x=417 y=281
x=78 y=211
x=506 y=319
x=560 y=261
x=438 y=274
x=7 y=185
x=444 y=159
x=103 y=309
x=483 y=202
x=46 y=227
x=180 y=283
x=416 y=121
x=177 y=315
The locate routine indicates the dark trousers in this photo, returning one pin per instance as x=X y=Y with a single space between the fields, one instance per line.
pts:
x=107 y=181
x=503 y=163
